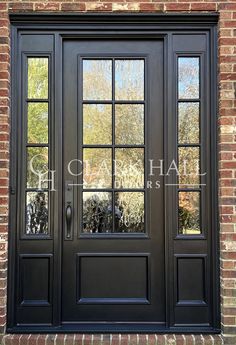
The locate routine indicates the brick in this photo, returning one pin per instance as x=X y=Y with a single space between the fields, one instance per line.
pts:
x=33 y=339
x=41 y=339
x=161 y=339
x=69 y=339
x=177 y=7
x=22 y=6
x=120 y=7
x=203 y=6
x=73 y=7
x=95 y=6
x=150 y=7
x=227 y=6
x=47 y=6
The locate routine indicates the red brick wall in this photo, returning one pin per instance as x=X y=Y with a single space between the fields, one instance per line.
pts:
x=227 y=162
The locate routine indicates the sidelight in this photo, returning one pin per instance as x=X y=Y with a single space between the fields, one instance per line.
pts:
x=37 y=213
x=189 y=213
x=189 y=146
x=189 y=166
x=188 y=74
x=188 y=122
x=37 y=122
x=37 y=159
x=37 y=146
x=37 y=78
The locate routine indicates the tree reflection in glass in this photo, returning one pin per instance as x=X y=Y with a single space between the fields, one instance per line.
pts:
x=188 y=73
x=37 y=213
x=37 y=123
x=129 y=212
x=189 y=164
x=37 y=159
x=188 y=123
x=129 y=172
x=38 y=78
x=97 y=124
x=129 y=80
x=129 y=124
x=97 y=212
x=189 y=213
x=97 y=168
x=97 y=80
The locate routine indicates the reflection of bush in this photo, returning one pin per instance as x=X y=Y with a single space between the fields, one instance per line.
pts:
x=97 y=215
x=129 y=214
x=188 y=220
x=37 y=214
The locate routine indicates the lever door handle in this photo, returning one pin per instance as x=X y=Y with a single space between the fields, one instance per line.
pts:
x=68 y=220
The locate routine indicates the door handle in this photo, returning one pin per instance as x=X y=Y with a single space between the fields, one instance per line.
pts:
x=69 y=207
x=68 y=220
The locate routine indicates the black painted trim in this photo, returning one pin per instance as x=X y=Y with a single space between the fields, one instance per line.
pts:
x=117 y=18
x=149 y=25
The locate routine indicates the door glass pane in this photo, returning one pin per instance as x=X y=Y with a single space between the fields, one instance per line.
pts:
x=97 y=80
x=129 y=124
x=189 y=213
x=97 y=168
x=188 y=73
x=188 y=123
x=38 y=78
x=97 y=124
x=129 y=79
x=129 y=212
x=129 y=168
x=97 y=212
x=189 y=164
x=37 y=159
x=36 y=213
x=37 y=123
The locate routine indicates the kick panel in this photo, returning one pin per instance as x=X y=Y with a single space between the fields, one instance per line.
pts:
x=112 y=278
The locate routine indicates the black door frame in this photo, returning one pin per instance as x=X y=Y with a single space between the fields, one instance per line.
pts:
x=150 y=26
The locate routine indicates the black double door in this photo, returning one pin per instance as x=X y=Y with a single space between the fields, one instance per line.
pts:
x=113 y=238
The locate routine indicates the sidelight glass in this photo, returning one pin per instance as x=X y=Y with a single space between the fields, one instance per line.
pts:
x=129 y=124
x=38 y=77
x=129 y=79
x=97 y=167
x=97 y=79
x=97 y=212
x=189 y=213
x=129 y=212
x=97 y=124
x=37 y=167
x=129 y=168
x=188 y=77
x=188 y=122
x=36 y=213
x=189 y=166
x=37 y=121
